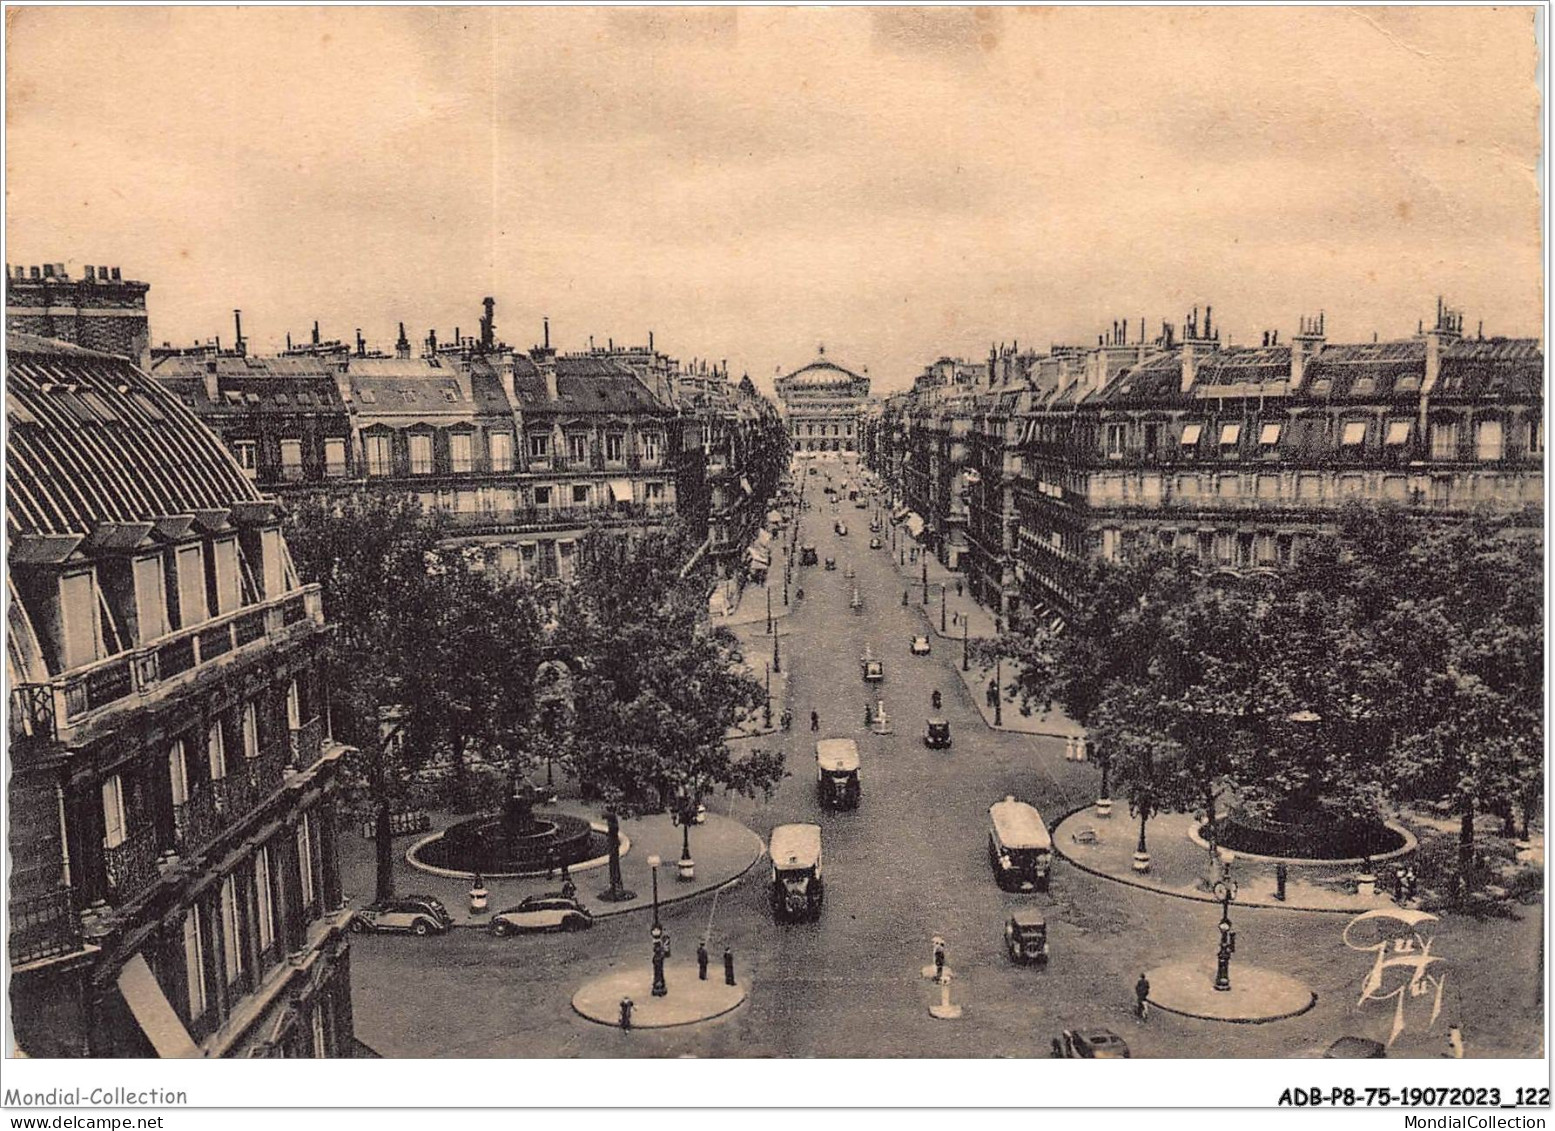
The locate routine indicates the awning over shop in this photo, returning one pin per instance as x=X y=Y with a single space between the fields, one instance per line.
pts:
x=899 y=514
x=758 y=556
x=620 y=490
x=154 y=1012
x=915 y=524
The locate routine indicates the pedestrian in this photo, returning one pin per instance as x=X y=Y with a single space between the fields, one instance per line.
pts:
x=626 y=1015
x=869 y=715
x=702 y=960
x=787 y=718
x=551 y=861
x=993 y=693
x=904 y=598
x=728 y=966
x=815 y=721
x=958 y=587
x=1142 y=998
x=935 y=699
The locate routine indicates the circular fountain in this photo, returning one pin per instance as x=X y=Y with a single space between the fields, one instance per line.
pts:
x=514 y=842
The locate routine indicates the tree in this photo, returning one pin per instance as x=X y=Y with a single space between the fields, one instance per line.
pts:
x=656 y=689
x=370 y=554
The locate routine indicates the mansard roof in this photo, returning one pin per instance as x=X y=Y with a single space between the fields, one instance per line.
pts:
x=92 y=440
x=585 y=386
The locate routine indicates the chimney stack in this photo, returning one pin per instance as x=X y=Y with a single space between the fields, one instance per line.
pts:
x=402 y=344
x=1448 y=329
x=1304 y=347
x=488 y=325
x=237 y=326
x=315 y=331
x=547 y=333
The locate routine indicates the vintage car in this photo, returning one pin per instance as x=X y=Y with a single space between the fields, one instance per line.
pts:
x=418 y=914
x=874 y=671
x=874 y=526
x=797 y=884
x=862 y=504
x=874 y=543
x=831 y=563
x=1020 y=849
x=919 y=646
x=847 y=571
x=936 y=734
x=1025 y=936
x=842 y=529
x=807 y=554
x=1090 y=1044
x=542 y=913
x=1355 y=1048
x=837 y=773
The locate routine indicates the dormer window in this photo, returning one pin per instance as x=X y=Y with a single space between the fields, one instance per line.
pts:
x=1230 y=434
x=1190 y=434
x=1397 y=434
x=1269 y=435
x=539 y=445
x=1353 y=435
x=577 y=447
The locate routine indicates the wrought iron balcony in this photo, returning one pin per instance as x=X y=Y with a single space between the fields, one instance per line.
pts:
x=52 y=709
x=130 y=867
x=42 y=926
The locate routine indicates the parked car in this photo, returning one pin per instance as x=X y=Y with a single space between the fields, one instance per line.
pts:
x=874 y=671
x=1090 y=1044
x=919 y=646
x=842 y=529
x=831 y=563
x=874 y=543
x=862 y=504
x=416 y=914
x=542 y=913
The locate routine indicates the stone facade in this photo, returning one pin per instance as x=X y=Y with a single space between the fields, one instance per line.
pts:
x=822 y=404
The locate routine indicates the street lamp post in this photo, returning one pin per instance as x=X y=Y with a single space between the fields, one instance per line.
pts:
x=925 y=563
x=942 y=610
x=966 y=657
x=998 y=698
x=660 y=988
x=1225 y=891
x=769 y=610
x=766 y=710
x=777 y=659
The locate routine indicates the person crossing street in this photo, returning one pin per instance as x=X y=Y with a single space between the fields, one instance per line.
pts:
x=815 y=721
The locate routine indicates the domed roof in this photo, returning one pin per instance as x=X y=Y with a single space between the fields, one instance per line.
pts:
x=822 y=372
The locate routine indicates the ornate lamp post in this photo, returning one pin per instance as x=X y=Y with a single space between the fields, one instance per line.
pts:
x=942 y=610
x=1225 y=891
x=660 y=989
x=966 y=655
x=924 y=560
x=777 y=659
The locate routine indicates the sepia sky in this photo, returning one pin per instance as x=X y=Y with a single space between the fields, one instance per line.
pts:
x=898 y=184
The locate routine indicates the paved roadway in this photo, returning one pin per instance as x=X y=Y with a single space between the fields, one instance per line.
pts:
x=908 y=864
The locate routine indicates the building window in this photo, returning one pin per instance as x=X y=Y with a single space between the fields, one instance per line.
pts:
x=580 y=494
x=1397 y=433
x=1269 y=435
x=1351 y=486
x=1535 y=436
x=379 y=456
x=1444 y=439
x=1489 y=440
x=216 y=752
x=464 y=502
x=291 y=459
x=1268 y=486
x=1152 y=436
x=542 y=496
x=1115 y=437
x=420 y=454
x=1230 y=434
x=305 y=858
x=231 y=939
x=1111 y=543
x=248 y=457
x=1150 y=487
x=577 y=447
x=150 y=599
x=615 y=445
x=655 y=492
x=1188 y=486
x=460 y=451
x=1190 y=434
x=178 y=772
x=194 y=963
x=539 y=445
x=502 y=451
x=78 y=607
x=1353 y=435
x=320 y=1050
x=250 y=721
x=334 y=457
x=1309 y=487
x=1395 y=488
x=113 y=811
x=1229 y=486
x=228 y=592
x=1225 y=547
x=1267 y=551
x=264 y=899
x=650 y=447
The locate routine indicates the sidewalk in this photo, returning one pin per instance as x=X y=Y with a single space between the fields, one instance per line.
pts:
x=723 y=850
x=750 y=602
x=1178 y=865
x=756 y=646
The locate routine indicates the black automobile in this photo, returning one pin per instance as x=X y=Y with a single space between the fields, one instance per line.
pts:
x=1090 y=1044
x=936 y=734
x=415 y=914
x=553 y=912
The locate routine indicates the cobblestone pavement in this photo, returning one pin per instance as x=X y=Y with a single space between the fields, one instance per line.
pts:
x=911 y=863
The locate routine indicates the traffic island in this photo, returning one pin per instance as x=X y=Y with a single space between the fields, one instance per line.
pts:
x=1256 y=995
x=689 y=1000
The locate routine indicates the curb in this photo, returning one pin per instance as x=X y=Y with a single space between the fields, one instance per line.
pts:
x=1311 y=1001
x=1197 y=897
